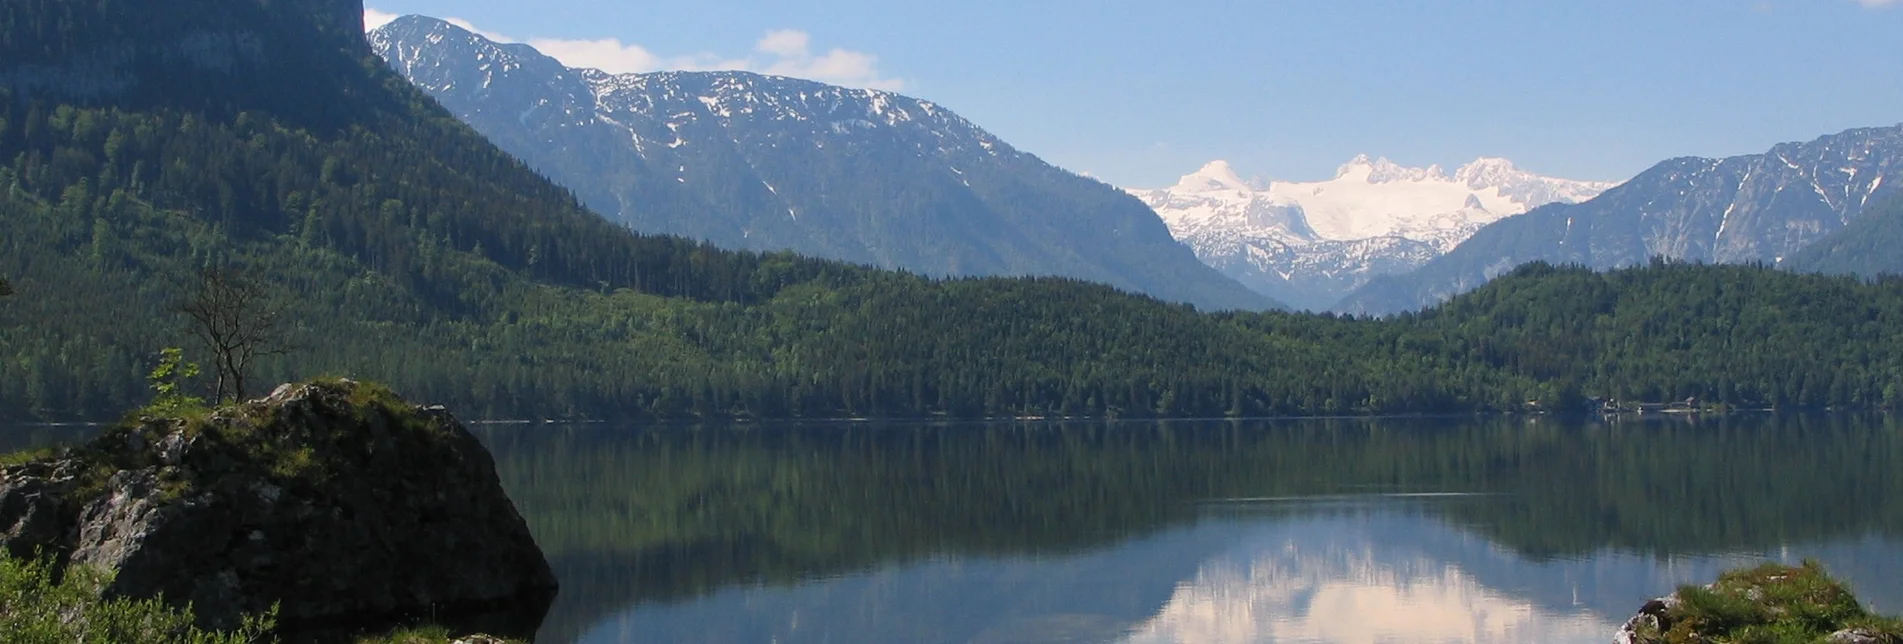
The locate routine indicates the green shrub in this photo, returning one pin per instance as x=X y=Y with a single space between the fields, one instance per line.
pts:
x=168 y=386
x=34 y=609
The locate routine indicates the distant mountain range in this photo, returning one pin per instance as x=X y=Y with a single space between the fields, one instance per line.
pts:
x=1311 y=243
x=768 y=163
x=1765 y=208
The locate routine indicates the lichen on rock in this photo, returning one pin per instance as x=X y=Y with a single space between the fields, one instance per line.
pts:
x=335 y=501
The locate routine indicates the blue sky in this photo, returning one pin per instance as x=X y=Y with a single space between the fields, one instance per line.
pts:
x=1140 y=92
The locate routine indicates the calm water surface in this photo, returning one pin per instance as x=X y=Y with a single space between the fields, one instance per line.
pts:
x=1355 y=531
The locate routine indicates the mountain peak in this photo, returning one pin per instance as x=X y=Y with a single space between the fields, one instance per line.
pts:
x=792 y=164
x=1310 y=243
x=416 y=22
x=1215 y=176
x=1360 y=165
x=1487 y=172
x=1381 y=170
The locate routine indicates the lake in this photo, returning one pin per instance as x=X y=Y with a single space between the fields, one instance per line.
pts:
x=1352 y=530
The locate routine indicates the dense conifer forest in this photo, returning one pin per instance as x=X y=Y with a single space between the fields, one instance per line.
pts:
x=409 y=250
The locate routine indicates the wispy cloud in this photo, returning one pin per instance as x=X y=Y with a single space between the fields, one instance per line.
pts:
x=1876 y=3
x=783 y=52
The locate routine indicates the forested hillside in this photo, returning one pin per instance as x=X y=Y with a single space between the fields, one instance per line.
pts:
x=411 y=251
x=1866 y=246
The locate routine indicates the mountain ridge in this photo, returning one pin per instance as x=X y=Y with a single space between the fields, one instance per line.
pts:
x=1312 y=243
x=757 y=162
x=1750 y=208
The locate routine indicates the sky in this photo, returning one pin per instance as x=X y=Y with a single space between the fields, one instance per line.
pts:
x=1138 y=93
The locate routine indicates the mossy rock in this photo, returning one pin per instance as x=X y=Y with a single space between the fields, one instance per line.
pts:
x=334 y=500
x=1768 y=604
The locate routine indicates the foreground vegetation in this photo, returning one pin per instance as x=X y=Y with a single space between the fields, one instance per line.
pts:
x=37 y=609
x=1769 y=604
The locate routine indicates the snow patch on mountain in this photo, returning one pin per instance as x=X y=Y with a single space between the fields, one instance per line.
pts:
x=1310 y=243
x=760 y=162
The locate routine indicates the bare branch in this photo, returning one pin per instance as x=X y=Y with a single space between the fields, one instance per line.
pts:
x=239 y=321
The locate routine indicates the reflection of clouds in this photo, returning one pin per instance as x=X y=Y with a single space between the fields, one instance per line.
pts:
x=1331 y=593
x=1365 y=574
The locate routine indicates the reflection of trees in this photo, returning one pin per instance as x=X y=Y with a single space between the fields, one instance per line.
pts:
x=667 y=514
x=1745 y=483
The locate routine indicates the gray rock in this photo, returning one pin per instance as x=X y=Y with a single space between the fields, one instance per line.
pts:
x=1649 y=626
x=1857 y=636
x=334 y=509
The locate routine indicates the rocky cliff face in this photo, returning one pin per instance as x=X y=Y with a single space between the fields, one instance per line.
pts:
x=335 y=501
x=215 y=56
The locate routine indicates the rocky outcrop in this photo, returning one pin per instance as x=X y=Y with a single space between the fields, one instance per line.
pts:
x=335 y=501
x=1650 y=625
x=1801 y=603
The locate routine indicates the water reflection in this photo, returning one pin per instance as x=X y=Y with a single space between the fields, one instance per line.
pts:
x=1351 y=580
x=1094 y=533
x=1420 y=530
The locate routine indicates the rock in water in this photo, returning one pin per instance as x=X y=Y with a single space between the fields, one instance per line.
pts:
x=1650 y=625
x=1792 y=603
x=336 y=501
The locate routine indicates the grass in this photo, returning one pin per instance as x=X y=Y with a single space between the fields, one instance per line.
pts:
x=28 y=456
x=1771 y=604
x=35 y=609
x=39 y=607
x=235 y=429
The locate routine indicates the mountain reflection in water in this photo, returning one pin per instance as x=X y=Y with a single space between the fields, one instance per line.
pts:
x=1387 y=530
x=1356 y=531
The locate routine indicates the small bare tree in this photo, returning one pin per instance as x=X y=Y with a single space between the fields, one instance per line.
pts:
x=239 y=321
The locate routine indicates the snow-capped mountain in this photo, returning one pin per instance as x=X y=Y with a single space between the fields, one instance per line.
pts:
x=771 y=163
x=1754 y=208
x=1311 y=243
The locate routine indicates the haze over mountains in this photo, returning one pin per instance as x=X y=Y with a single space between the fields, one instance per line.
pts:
x=769 y=163
x=1311 y=243
x=1755 y=208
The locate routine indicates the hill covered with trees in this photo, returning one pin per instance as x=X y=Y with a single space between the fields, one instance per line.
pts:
x=409 y=250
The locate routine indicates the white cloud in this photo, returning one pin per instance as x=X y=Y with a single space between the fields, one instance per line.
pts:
x=1876 y=3
x=373 y=18
x=792 y=55
x=783 y=52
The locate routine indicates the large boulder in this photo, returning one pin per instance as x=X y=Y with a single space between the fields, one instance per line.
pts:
x=335 y=501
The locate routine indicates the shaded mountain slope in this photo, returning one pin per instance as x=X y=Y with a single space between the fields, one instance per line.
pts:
x=1870 y=245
